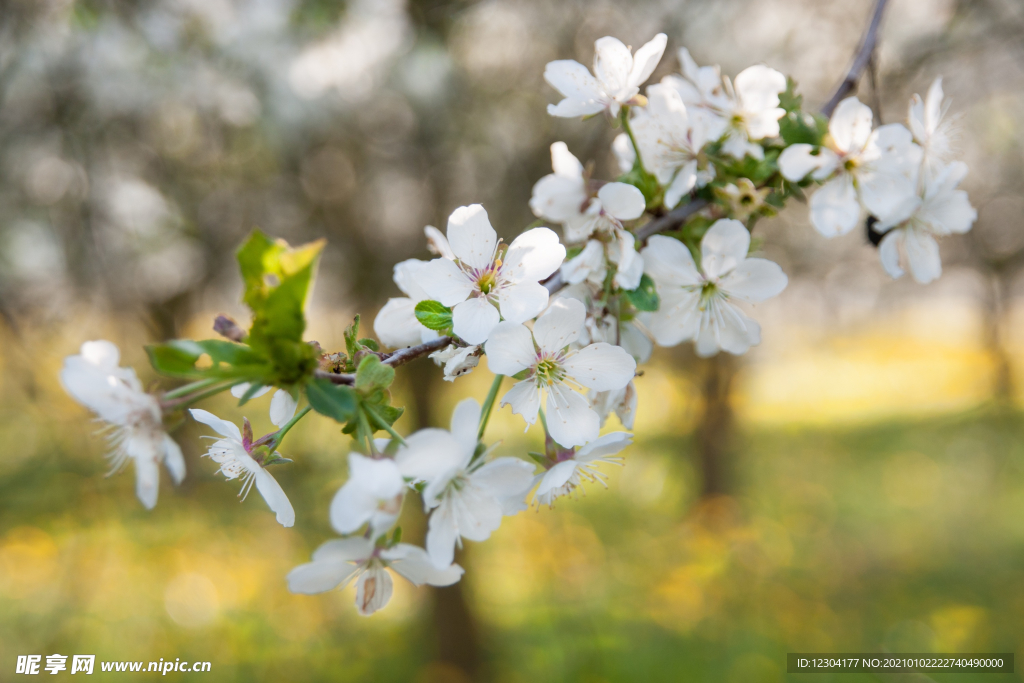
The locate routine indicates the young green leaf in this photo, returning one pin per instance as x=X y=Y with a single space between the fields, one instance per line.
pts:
x=645 y=296
x=372 y=374
x=433 y=315
x=336 y=401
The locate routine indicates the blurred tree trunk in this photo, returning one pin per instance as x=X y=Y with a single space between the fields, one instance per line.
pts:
x=715 y=427
x=456 y=643
x=994 y=323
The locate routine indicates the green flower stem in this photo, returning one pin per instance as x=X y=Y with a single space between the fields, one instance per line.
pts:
x=275 y=441
x=383 y=424
x=624 y=117
x=543 y=420
x=183 y=401
x=189 y=388
x=485 y=413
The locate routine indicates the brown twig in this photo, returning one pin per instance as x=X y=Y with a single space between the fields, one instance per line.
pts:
x=860 y=60
x=228 y=328
x=671 y=220
x=399 y=357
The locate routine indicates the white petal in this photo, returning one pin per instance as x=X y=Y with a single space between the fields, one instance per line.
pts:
x=275 y=497
x=758 y=88
x=684 y=181
x=612 y=64
x=444 y=281
x=471 y=236
x=522 y=301
x=669 y=262
x=405 y=275
x=889 y=253
x=438 y=243
x=373 y=591
x=557 y=198
x=505 y=478
x=465 y=424
x=556 y=477
x=797 y=161
x=583 y=95
x=318 y=577
x=473 y=319
x=623 y=201
x=344 y=549
x=396 y=325
x=222 y=427
x=834 y=207
x=570 y=420
x=564 y=163
x=922 y=256
x=101 y=353
x=601 y=366
x=850 y=125
x=560 y=325
x=889 y=196
x=755 y=280
x=533 y=256
x=677 y=319
x=147 y=481
x=609 y=444
x=414 y=564
x=723 y=247
x=428 y=454
x=589 y=264
x=442 y=534
x=282 y=408
x=624 y=152
x=371 y=494
x=524 y=397
x=635 y=342
x=238 y=391
x=510 y=349
x=646 y=60
x=173 y=459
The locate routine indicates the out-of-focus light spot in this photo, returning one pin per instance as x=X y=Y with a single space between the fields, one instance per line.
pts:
x=191 y=600
x=49 y=179
x=28 y=562
x=956 y=625
x=33 y=252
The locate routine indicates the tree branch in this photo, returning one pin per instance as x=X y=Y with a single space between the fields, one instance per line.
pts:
x=670 y=221
x=399 y=357
x=860 y=61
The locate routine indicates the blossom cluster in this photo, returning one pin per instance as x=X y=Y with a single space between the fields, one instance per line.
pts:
x=659 y=256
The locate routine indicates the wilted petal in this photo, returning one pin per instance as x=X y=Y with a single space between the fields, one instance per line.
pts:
x=373 y=591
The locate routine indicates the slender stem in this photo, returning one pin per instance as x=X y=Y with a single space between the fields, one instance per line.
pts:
x=274 y=442
x=543 y=420
x=624 y=116
x=399 y=357
x=485 y=413
x=670 y=221
x=178 y=403
x=860 y=60
x=383 y=424
x=189 y=388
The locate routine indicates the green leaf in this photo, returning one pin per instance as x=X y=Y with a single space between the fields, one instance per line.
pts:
x=372 y=374
x=336 y=401
x=351 y=337
x=645 y=296
x=371 y=344
x=799 y=128
x=433 y=315
x=645 y=182
x=178 y=358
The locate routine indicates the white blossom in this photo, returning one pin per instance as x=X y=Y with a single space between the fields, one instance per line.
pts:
x=671 y=139
x=566 y=476
x=616 y=81
x=339 y=562
x=372 y=495
x=860 y=166
x=234 y=455
x=94 y=379
x=457 y=360
x=396 y=324
x=554 y=369
x=747 y=107
x=939 y=209
x=468 y=497
x=697 y=302
x=477 y=279
x=622 y=402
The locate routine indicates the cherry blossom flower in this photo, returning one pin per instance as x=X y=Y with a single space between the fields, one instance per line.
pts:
x=234 y=455
x=339 y=562
x=372 y=495
x=579 y=466
x=930 y=131
x=94 y=379
x=697 y=302
x=563 y=197
x=457 y=360
x=468 y=497
x=396 y=324
x=860 y=166
x=617 y=77
x=554 y=369
x=748 y=107
x=622 y=402
x=940 y=209
x=671 y=140
x=477 y=279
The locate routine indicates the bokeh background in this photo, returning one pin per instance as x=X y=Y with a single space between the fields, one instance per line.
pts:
x=856 y=483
